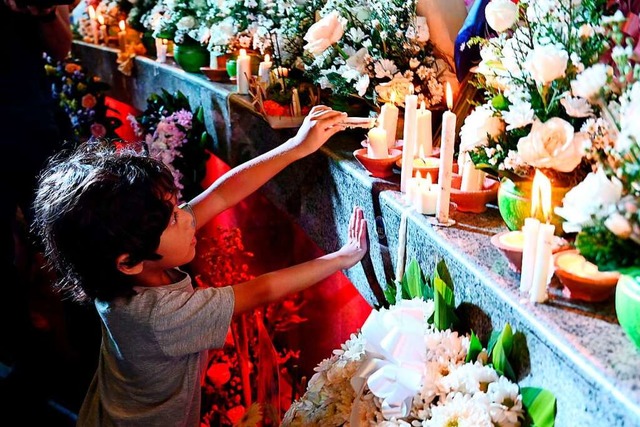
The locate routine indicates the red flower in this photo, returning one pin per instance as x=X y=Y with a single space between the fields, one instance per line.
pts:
x=235 y=414
x=219 y=374
x=272 y=108
x=98 y=130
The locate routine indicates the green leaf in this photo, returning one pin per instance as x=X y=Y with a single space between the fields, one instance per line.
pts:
x=475 y=348
x=390 y=293
x=444 y=305
x=540 y=405
x=501 y=351
x=499 y=102
x=414 y=281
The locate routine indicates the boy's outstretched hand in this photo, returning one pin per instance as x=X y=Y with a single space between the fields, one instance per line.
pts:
x=321 y=123
x=356 y=247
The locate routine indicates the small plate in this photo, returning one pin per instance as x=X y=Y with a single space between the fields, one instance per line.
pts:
x=215 y=74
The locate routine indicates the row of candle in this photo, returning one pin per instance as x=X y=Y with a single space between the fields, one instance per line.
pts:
x=99 y=29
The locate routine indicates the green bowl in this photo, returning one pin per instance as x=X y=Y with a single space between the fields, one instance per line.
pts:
x=232 y=67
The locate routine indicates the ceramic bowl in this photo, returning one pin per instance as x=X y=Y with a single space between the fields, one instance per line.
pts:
x=215 y=74
x=510 y=244
x=474 y=201
x=581 y=279
x=379 y=168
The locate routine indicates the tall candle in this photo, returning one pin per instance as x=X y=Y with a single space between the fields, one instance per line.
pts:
x=412 y=188
x=377 y=146
x=425 y=137
x=295 y=103
x=264 y=70
x=103 y=28
x=447 y=143
x=388 y=120
x=402 y=246
x=162 y=51
x=409 y=136
x=243 y=65
x=122 y=36
x=472 y=178
x=530 y=232
x=426 y=196
x=543 y=258
x=94 y=25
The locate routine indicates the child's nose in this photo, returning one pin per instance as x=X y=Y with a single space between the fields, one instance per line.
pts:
x=187 y=209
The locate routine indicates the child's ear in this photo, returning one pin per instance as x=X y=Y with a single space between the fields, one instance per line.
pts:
x=123 y=264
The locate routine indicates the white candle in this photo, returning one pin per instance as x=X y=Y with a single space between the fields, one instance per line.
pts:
x=426 y=196
x=94 y=25
x=388 y=120
x=447 y=145
x=544 y=261
x=158 y=44
x=472 y=178
x=264 y=70
x=425 y=138
x=530 y=232
x=162 y=51
x=103 y=28
x=402 y=246
x=295 y=103
x=213 y=60
x=243 y=65
x=409 y=136
x=412 y=188
x=377 y=146
x=122 y=36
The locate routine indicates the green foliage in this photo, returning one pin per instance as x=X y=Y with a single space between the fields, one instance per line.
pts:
x=540 y=407
x=603 y=248
x=500 y=349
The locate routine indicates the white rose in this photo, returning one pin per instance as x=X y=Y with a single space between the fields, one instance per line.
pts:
x=478 y=126
x=324 y=33
x=501 y=14
x=589 y=197
x=589 y=83
x=547 y=63
x=553 y=145
x=618 y=225
x=186 y=23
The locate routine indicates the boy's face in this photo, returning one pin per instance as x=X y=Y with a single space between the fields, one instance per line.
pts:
x=178 y=241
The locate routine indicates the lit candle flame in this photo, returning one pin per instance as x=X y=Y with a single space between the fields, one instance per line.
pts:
x=541 y=195
x=423 y=106
x=122 y=25
x=421 y=153
x=449 y=96
x=429 y=181
x=267 y=58
x=393 y=97
x=101 y=19
x=411 y=89
x=243 y=52
x=92 y=12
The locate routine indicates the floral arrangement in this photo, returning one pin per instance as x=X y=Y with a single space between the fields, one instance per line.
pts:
x=251 y=364
x=81 y=97
x=424 y=373
x=371 y=49
x=284 y=102
x=538 y=75
x=605 y=208
x=177 y=136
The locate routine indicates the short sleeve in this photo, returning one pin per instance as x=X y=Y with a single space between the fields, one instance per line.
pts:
x=186 y=323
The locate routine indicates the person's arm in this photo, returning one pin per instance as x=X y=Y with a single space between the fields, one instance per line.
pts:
x=235 y=185
x=54 y=24
x=272 y=286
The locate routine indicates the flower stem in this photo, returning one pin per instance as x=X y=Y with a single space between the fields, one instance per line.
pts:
x=341 y=52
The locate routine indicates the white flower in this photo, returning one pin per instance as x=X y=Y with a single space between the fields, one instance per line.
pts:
x=385 y=68
x=506 y=403
x=595 y=193
x=589 y=83
x=518 y=115
x=358 y=61
x=470 y=378
x=547 y=63
x=618 y=225
x=629 y=122
x=362 y=84
x=553 y=145
x=186 y=22
x=478 y=127
x=501 y=14
x=324 y=33
x=586 y=31
x=576 y=107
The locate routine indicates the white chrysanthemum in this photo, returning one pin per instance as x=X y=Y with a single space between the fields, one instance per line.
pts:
x=478 y=127
x=576 y=107
x=518 y=115
x=506 y=403
x=446 y=346
x=470 y=378
x=385 y=68
x=590 y=82
x=460 y=410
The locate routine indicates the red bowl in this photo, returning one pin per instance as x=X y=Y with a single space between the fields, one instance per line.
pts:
x=379 y=168
x=474 y=201
x=598 y=286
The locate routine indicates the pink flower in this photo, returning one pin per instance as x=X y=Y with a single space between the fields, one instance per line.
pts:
x=98 y=130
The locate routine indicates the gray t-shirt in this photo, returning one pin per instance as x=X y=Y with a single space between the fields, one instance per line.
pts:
x=153 y=355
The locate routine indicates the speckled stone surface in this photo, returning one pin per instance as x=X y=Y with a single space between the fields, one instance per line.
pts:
x=577 y=350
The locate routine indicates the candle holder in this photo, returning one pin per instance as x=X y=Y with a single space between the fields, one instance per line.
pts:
x=473 y=201
x=511 y=243
x=581 y=280
x=379 y=168
x=216 y=74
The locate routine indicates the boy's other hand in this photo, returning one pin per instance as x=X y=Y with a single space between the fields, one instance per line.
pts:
x=356 y=247
x=321 y=123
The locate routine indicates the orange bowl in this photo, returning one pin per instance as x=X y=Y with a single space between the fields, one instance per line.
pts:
x=379 y=168
x=592 y=285
x=512 y=253
x=474 y=201
x=215 y=74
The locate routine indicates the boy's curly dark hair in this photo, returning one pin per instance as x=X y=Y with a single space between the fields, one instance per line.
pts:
x=95 y=203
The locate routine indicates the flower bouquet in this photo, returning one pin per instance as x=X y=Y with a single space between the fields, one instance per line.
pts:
x=82 y=98
x=372 y=49
x=407 y=366
x=175 y=134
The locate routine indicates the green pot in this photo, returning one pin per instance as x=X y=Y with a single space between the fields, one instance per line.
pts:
x=628 y=307
x=514 y=203
x=190 y=57
x=232 y=67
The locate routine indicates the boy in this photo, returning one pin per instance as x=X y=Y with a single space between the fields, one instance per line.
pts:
x=112 y=228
